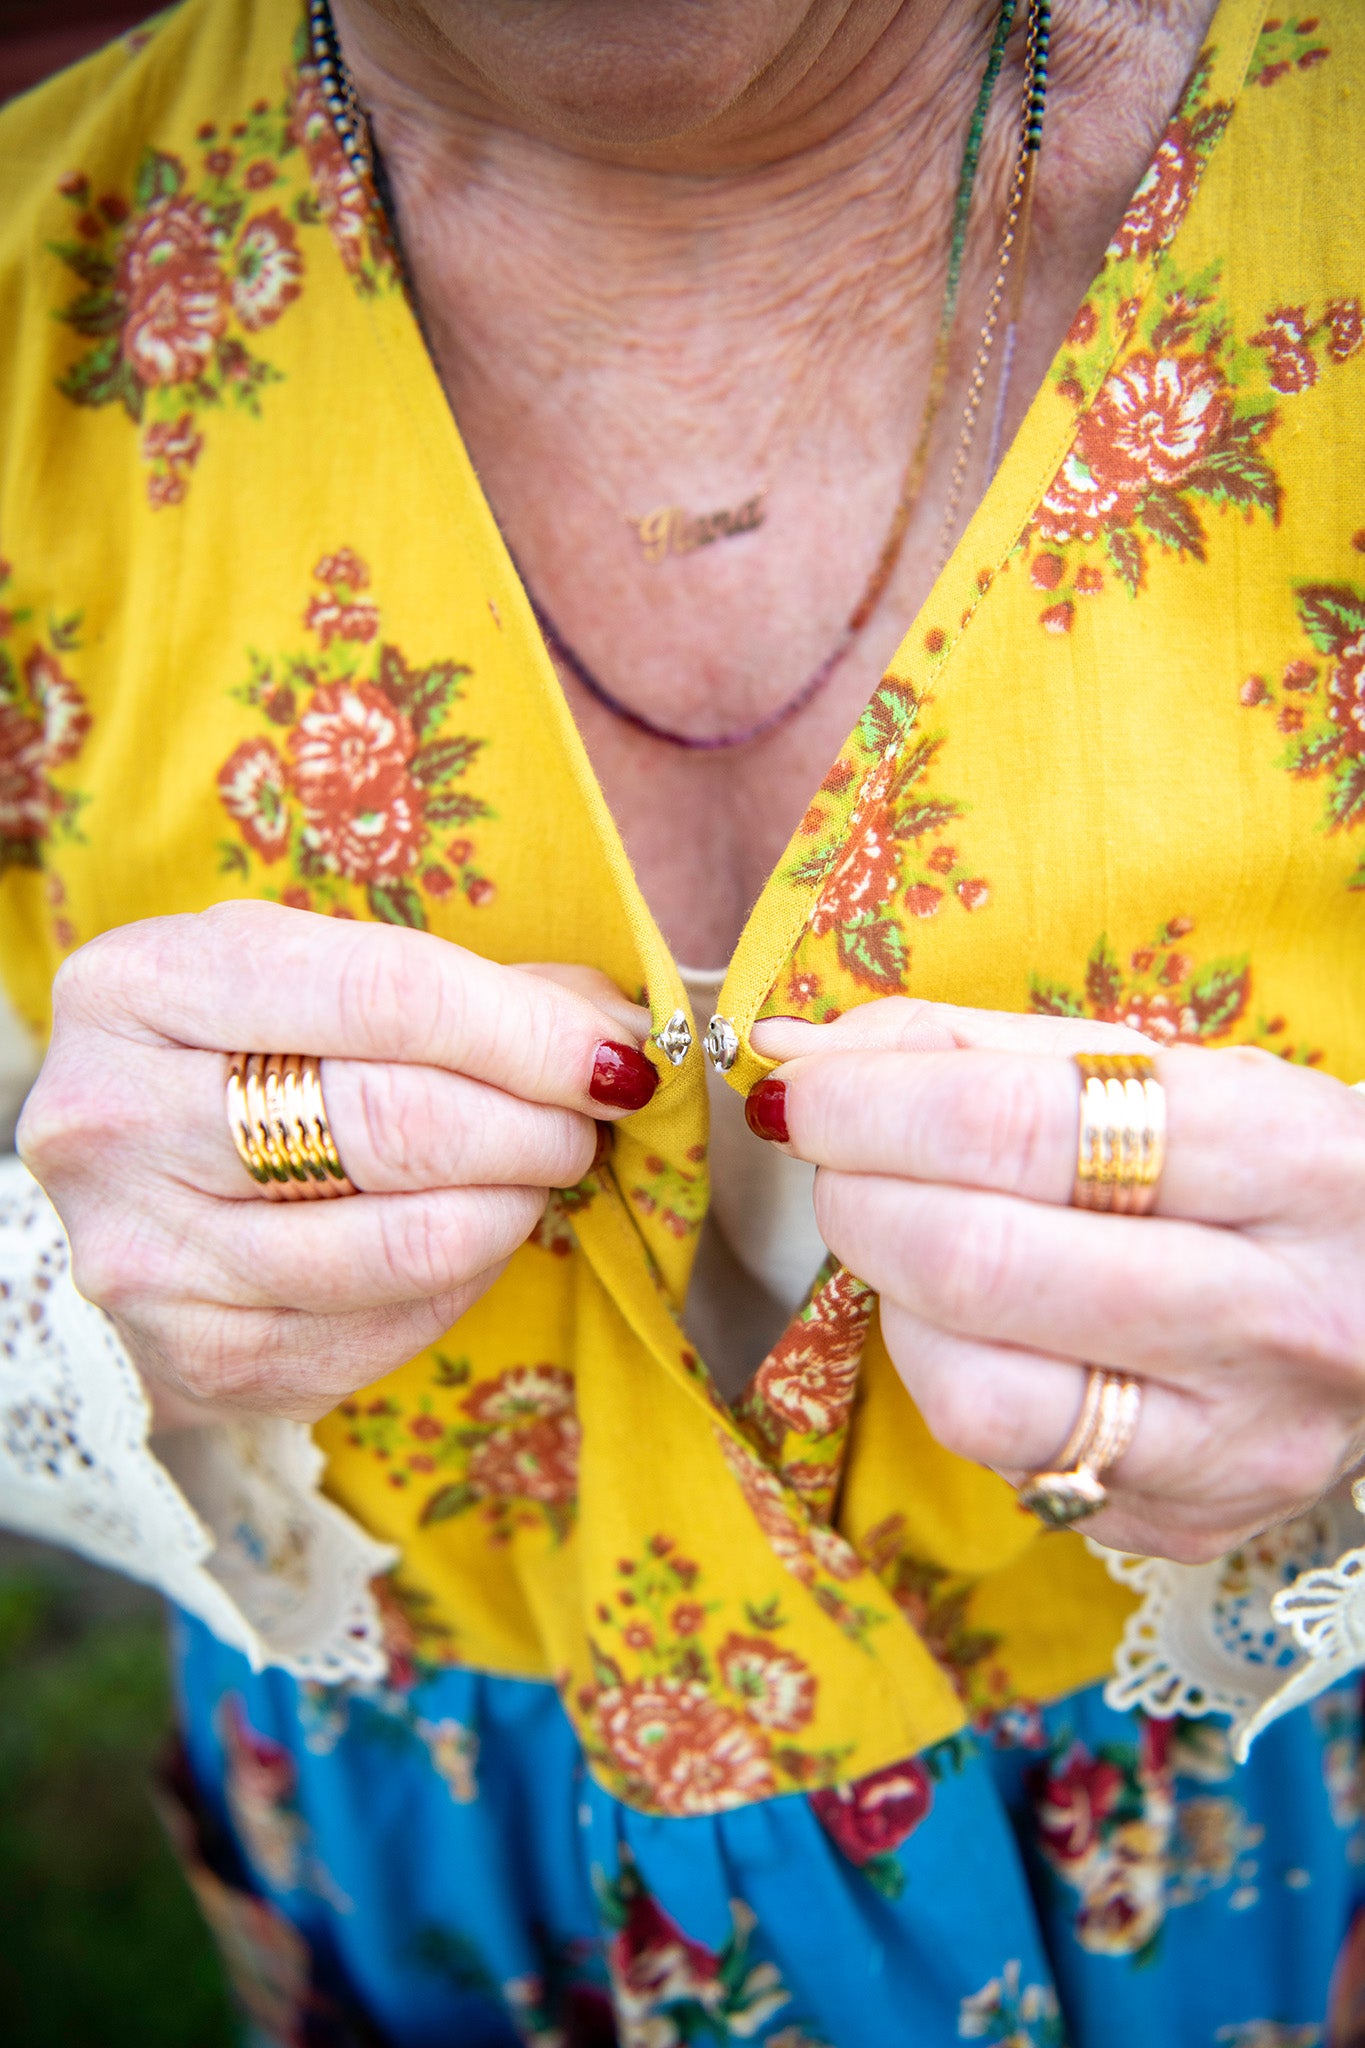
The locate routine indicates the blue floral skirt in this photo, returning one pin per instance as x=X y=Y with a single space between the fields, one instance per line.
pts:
x=431 y=1863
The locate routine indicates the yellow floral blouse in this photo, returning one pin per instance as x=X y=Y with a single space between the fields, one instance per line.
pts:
x=259 y=636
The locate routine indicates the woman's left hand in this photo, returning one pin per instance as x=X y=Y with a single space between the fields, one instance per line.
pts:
x=946 y=1142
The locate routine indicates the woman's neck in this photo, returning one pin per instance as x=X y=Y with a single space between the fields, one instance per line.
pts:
x=745 y=308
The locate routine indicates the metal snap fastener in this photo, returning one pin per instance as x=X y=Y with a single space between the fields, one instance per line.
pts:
x=674 y=1039
x=722 y=1044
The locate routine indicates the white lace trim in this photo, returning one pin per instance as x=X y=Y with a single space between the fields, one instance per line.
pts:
x=226 y=1521
x=1251 y=1635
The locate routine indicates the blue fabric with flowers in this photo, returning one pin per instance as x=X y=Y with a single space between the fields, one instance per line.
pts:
x=429 y=1862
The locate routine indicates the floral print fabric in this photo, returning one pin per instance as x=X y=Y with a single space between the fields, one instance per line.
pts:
x=1073 y=1877
x=182 y=273
x=304 y=669
x=361 y=780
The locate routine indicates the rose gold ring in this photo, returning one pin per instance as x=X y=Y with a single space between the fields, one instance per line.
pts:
x=1073 y=1488
x=1121 y=1142
x=278 y=1122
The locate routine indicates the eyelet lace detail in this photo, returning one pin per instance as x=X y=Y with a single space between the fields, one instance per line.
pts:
x=1251 y=1635
x=227 y=1521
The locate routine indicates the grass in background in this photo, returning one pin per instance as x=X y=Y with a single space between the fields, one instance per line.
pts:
x=101 y=1944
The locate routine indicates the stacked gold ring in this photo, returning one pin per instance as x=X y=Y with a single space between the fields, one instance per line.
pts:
x=279 y=1125
x=1120 y=1151
x=1074 y=1488
x=1121 y=1144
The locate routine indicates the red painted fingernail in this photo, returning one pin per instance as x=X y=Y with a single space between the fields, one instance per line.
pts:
x=622 y=1078
x=603 y=1146
x=765 y=1110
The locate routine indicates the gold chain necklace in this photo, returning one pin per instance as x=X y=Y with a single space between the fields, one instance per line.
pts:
x=353 y=133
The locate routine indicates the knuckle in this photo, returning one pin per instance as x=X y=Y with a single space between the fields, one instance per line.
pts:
x=368 y=1005
x=970 y=1273
x=424 y=1250
x=1304 y=1330
x=964 y=1412
x=1006 y=1125
x=56 y=1127
x=109 y=1267
x=215 y=1364
x=1295 y=1463
x=393 y=1131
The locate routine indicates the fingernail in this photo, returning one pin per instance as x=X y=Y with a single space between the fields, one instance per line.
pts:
x=603 y=1146
x=622 y=1077
x=765 y=1110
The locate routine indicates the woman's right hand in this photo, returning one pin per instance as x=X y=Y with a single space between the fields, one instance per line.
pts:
x=458 y=1092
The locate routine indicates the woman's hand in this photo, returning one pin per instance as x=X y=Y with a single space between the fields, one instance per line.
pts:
x=458 y=1093
x=946 y=1142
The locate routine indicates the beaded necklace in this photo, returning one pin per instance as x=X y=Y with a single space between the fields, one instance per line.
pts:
x=357 y=143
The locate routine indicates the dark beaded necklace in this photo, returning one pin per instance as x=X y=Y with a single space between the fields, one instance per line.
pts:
x=353 y=133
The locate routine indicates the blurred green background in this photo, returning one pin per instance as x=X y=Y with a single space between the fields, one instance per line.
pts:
x=101 y=1943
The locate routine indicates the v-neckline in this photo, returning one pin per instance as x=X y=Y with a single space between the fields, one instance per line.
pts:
x=941 y=624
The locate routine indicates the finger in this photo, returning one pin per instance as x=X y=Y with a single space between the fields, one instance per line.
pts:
x=214 y=1359
x=328 y=1258
x=397 y=1129
x=908 y=1024
x=1169 y=1300
x=1014 y=1411
x=633 y=1018
x=257 y=977
x=1240 y=1125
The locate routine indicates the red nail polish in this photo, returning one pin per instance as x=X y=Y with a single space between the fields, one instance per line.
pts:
x=622 y=1078
x=765 y=1110
x=603 y=1146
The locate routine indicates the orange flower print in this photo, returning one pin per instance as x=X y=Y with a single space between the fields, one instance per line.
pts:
x=1170 y=995
x=343 y=201
x=808 y=1378
x=1182 y=407
x=171 y=448
x=779 y=1688
x=538 y=1463
x=173 y=281
x=685 y=1751
x=44 y=724
x=871 y=865
x=676 y=1195
x=1158 y=205
x=174 y=291
x=361 y=793
x=670 y=1677
x=266 y=270
x=1155 y=419
x=509 y=1449
x=338 y=612
x=25 y=800
x=1287 y=45
x=253 y=788
x=1320 y=701
x=1177 y=427
x=817 y=1556
x=524 y=1393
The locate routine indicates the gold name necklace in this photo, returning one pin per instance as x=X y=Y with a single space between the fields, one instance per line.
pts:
x=353 y=132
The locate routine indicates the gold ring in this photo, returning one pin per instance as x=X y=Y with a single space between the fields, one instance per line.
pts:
x=1121 y=1142
x=1073 y=1488
x=278 y=1122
